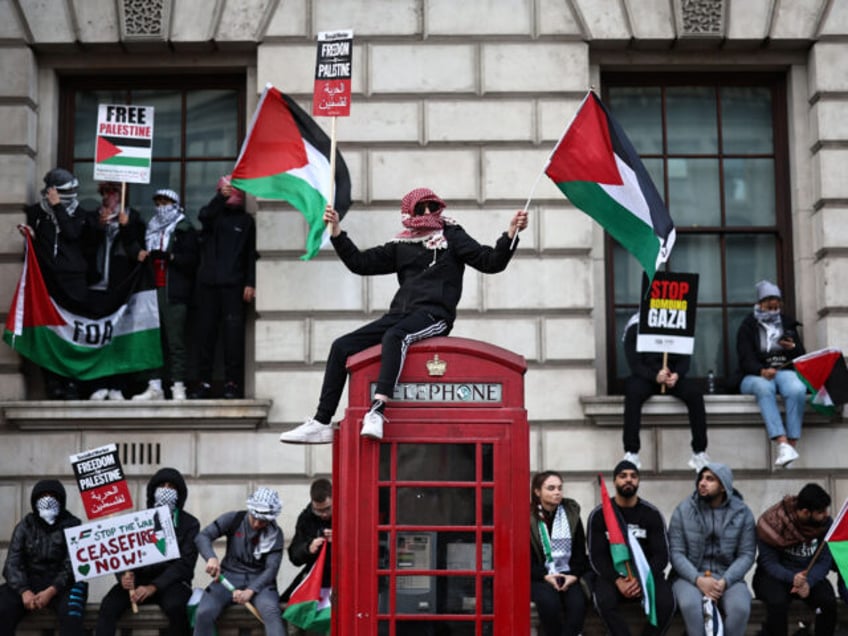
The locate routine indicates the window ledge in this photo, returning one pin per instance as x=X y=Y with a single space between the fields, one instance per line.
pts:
x=149 y=415
x=722 y=410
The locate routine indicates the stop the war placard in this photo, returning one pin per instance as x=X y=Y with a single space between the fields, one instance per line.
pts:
x=331 y=93
x=124 y=143
x=667 y=313
x=116 y=544
x=101 y=481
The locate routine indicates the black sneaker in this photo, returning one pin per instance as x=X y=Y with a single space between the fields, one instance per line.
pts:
x=71 y=391
x=232 y=391
x=202 y=391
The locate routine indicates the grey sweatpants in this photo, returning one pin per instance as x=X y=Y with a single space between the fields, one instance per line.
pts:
x=735 y=606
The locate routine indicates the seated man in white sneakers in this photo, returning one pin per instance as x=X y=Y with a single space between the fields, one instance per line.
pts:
x=429 y=258
x=649 y=377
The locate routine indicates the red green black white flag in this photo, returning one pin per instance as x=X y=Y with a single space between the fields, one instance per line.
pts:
x=286 y=156
x=837 y=541
x=825 y=374
x=309 y=604
x=598 y=169
x=115 y=333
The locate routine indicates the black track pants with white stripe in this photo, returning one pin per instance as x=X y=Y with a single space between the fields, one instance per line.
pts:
x=396 y=332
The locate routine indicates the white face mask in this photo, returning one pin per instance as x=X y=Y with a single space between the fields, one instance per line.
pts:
x=48 y=509
x=164 y=496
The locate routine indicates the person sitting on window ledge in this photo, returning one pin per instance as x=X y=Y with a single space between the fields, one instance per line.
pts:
x=649 y=377
x=766 y=344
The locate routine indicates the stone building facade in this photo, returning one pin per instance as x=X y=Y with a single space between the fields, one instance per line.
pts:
x=467 y=98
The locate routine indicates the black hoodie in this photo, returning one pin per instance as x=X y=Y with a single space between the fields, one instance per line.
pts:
x=181 y=570
x=38 y=556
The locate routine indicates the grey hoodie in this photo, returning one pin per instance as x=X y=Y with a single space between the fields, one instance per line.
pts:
x=731 y=527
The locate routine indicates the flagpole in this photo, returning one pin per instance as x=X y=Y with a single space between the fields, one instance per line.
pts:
x=332 y=195
x=548 y=160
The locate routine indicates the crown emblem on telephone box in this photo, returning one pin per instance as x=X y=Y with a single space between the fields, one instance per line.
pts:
x=436 y=366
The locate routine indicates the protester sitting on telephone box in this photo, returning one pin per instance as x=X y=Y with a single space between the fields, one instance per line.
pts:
x=168 y=584
x=115 y=253
x=429 y=258
x=38 y=569
x=766 y=343
x=226 y=285
x=60 y=229
x=248 y=573
x=171 y=250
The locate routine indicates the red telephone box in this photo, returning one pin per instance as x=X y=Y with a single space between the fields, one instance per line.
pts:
x=431 y=523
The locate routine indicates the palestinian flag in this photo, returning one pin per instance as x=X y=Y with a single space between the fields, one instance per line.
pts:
x=286 y=156
x=646 y=577
x=625 y=551
x=618 y=546
x=826 y=376
x=597 y=168
x=123 y=151
x=837 y=541
x=309 y=604
x=117 y=333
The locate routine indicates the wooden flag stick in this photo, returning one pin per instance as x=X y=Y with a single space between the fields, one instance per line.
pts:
x=133 y=604
x=665 y=365
x=331 y=198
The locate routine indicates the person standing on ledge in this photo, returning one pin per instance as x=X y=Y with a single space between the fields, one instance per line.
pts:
x=429 y=258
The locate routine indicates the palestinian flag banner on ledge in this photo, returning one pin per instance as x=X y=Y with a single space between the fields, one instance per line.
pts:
x=598 y=169
x=114 y=334
x=286 y=156
x=825 y=374
x=309 y=604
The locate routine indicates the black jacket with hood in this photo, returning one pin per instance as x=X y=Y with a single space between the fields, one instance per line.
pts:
x=180 y=570
x=38 y=555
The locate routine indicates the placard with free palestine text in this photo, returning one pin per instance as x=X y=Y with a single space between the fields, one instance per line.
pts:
x=123 y=148
x=101 y=481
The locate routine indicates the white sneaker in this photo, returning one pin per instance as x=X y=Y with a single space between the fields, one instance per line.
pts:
x=99 y=395
x=633 y=458
x=786 y=454
x=178 y=391
x=372 y=425
x=699 y=461
x=151 y=393
x=116 y=395
x=310 y=432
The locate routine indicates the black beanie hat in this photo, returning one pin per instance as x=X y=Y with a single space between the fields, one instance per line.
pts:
x=624 y=464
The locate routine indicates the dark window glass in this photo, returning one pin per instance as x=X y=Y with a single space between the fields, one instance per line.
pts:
x=716 y=148
x=198 y=128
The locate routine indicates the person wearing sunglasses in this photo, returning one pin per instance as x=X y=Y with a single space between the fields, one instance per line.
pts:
x=428 y=256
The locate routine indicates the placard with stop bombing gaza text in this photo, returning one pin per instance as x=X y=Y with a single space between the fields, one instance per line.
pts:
x=667 y=313
x=125 y=542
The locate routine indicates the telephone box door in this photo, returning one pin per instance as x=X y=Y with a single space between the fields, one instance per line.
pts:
x=432 y=521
